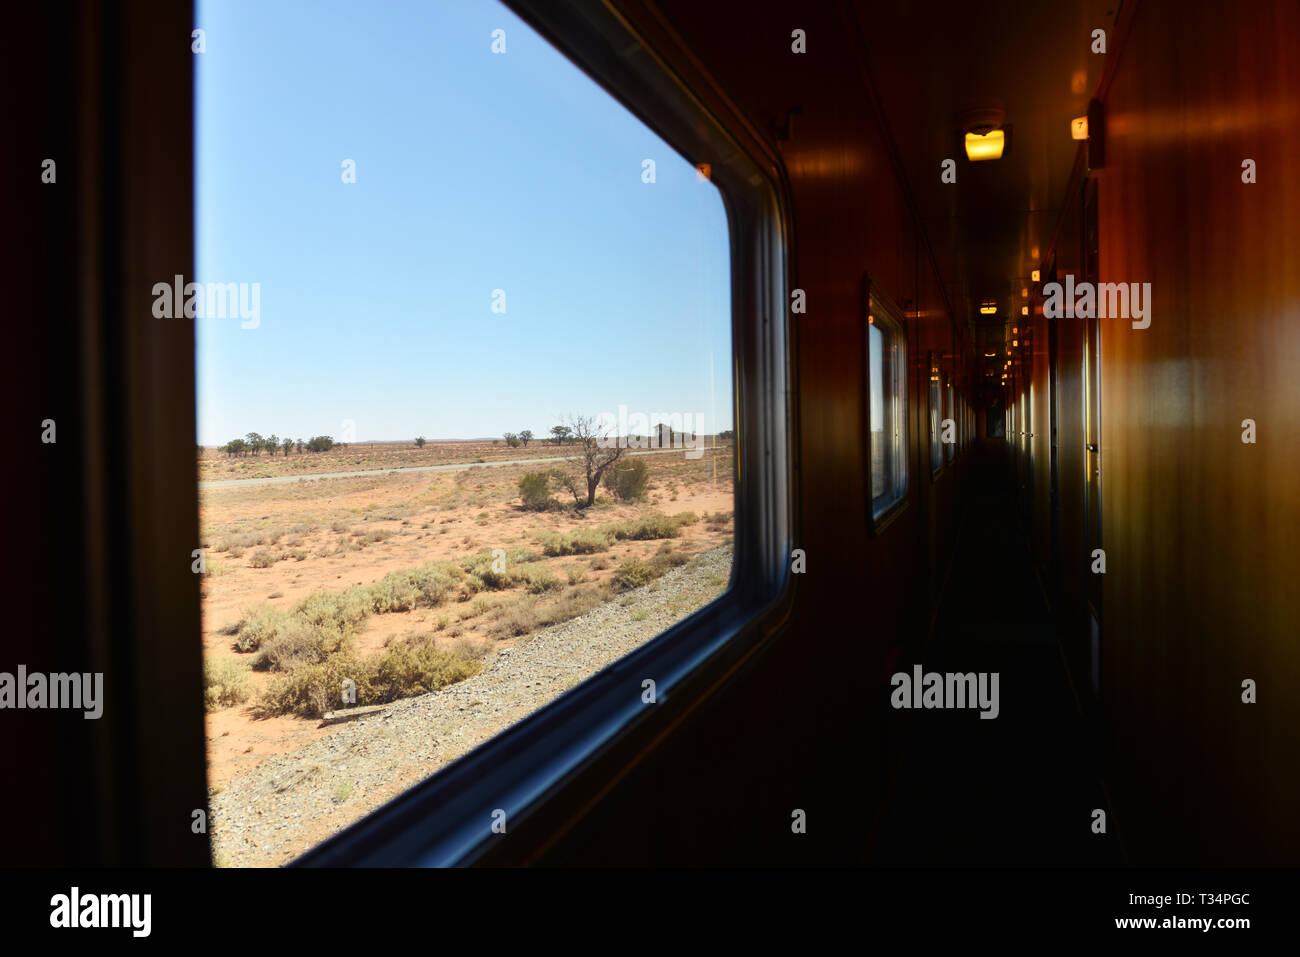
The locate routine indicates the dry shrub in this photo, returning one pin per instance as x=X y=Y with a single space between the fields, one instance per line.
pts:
x=635 y=573
x=646 y=528
x=226 y=682
x=409 y=667
x=585 y=541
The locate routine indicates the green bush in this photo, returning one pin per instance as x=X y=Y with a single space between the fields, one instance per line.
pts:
x=481 y=569
x=535 y=491
x=336 y=612
x=585 y=541
x=299 y=643
x=632 y=574
x=646 y=528
x=409 y=667
x=311 y=691
x=258 y=625
x=635 y=573
x=539 y=579
x=416 y=666
x=628 y=480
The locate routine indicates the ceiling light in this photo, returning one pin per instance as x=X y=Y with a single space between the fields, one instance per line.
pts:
x=987 y=146
x=988 y=307
x=989 y=355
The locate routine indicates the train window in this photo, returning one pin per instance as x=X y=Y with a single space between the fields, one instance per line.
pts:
x=887 y=405
x=466 y=426
x=936 y=415
x=949 y=415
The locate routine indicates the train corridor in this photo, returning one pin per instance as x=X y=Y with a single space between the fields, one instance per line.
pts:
x=1020 y=789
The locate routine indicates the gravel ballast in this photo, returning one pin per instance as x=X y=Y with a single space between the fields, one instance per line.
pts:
x=290 y=802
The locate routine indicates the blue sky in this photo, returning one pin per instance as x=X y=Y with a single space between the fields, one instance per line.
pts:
x=474 y=172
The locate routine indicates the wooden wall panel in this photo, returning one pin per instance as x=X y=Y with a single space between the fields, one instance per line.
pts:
x=1200 y=529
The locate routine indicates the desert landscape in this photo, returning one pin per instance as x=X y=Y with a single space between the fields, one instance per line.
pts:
x=455 y=587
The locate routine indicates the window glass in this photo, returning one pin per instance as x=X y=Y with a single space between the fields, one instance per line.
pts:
x=935 y=410
x=464 y=397
x=949 y=447
x=887 y=405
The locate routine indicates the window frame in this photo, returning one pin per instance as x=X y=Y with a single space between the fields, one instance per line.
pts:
x=875 y=301
x=561 y=756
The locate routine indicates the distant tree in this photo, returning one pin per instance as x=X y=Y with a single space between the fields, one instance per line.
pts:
x=300 y=445
x=320 y=443
x=419 y=441
x=561 y=433
x=596 y=455
x=512 y=440
x=525 y=437
x=287 y=445
x=254 y=442
x=272 y=443
x=235 y=447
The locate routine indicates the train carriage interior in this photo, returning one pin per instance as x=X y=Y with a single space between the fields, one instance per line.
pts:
x=970 y=543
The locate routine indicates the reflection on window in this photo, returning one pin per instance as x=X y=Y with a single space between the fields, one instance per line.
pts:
x=473 y=441
x=887 y=404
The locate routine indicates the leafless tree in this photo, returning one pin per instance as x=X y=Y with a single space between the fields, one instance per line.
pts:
x=596 y=453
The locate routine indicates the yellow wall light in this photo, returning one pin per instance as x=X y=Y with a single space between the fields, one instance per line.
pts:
x=1079 y=128
x=988 y=308
x=1034 y=275
x=986 y=146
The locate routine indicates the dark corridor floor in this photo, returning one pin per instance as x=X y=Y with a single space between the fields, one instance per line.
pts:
x=1019 y=789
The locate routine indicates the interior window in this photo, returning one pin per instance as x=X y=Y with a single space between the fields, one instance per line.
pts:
x=950 y=447
x=936 y=414
x=887 y=391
